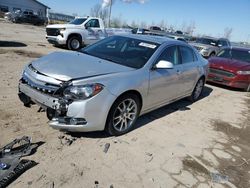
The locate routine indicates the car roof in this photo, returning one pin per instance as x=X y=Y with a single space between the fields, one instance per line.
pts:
x=152 y=38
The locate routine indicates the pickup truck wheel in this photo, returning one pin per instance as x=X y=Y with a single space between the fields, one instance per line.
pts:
x=123 y=115
x=197 y=90
x=74 y=43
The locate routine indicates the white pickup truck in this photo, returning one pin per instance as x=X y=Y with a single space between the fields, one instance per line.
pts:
x=80 y=31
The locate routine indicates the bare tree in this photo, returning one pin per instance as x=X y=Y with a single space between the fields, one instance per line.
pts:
x=143 y=24
x=162 y=24
x=133 y=24
x=184 y=26
x=190 y=28
x=116 y=22
x=99 y=11
x=228 y=32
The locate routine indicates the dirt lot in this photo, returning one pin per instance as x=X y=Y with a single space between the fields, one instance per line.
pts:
x=205 y=144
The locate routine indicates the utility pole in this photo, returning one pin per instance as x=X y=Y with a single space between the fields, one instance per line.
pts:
x=110 y=7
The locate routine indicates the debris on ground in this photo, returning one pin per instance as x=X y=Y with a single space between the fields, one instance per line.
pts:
x=218 y=178
x=106 y=147
x=12 y=166
x=66 y=140
x=149 y=156
x=96 y=184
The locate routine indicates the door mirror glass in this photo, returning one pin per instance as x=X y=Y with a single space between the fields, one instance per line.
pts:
x=162 y=64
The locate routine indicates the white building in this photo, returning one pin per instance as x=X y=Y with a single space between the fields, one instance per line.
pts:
x=24 y=5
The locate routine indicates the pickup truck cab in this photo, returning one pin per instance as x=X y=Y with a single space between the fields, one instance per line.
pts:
x=77 y=33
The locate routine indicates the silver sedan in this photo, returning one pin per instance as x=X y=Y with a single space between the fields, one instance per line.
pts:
x=107 y=85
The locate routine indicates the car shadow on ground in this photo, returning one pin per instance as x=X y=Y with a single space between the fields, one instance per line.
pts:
x=182 y=105
x=11 y=44
x=225 y=87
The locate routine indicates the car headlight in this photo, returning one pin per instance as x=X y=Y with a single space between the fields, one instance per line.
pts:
x=82 y=92
x=62 y=29
x=244 y=72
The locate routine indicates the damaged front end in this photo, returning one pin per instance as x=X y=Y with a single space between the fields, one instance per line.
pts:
x=37 y=88
x=64 y=102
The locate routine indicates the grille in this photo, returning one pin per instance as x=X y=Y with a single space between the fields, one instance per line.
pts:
x=221 y=72
x=52 y=32
x=46 y=88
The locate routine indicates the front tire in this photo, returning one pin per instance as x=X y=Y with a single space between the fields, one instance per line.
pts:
x=74 y=43
x=197 y=90
x=123 y=115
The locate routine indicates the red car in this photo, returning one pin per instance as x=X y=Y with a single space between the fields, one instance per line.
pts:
x=231 y=67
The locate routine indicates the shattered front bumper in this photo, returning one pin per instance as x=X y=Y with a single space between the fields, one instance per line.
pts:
x=75 y=116
x=38 y=97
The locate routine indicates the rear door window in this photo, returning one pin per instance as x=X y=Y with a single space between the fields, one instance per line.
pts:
x=187 y=54
x=171 y=54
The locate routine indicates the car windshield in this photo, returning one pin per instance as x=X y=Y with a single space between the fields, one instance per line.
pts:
x=206 y=41
x=241 y=55
x=122 y=50
x=78 y=21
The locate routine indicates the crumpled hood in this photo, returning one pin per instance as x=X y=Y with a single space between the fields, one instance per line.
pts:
x=65 y=66
x=228 y=64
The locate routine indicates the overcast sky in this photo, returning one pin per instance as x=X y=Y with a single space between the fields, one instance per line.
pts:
x=210 y=17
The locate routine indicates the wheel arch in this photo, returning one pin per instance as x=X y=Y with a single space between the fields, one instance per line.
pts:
x=75 y=35
x=135 y=92
x=132 y=91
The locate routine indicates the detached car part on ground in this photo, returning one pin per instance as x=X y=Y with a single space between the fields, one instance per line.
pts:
x=231 y=67
x=107 y=85
x=11 y=164
x=208 y=46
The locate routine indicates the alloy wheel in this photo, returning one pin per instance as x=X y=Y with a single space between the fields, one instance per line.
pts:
x=125 y=115
x=198 y=89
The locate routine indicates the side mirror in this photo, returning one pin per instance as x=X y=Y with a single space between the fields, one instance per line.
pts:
x=162 y=64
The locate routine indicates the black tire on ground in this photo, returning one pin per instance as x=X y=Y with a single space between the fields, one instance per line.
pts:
x=123 y=114
x=197 y=90
x=74 y=43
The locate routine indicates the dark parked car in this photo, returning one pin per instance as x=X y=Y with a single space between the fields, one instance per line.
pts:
x=231 y=67
x=27 y=17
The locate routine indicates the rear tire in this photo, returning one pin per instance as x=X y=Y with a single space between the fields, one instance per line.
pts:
x=197 y=90
x=74 y=43
x=123 y=115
